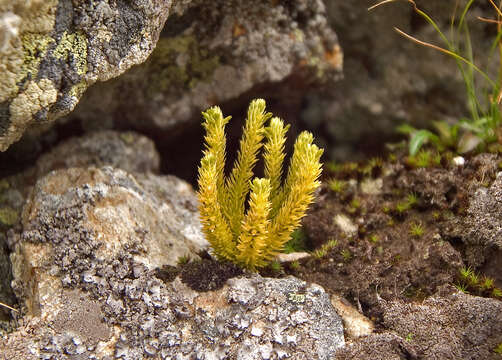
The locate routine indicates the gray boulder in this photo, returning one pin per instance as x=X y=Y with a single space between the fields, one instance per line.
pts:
x=52 y=51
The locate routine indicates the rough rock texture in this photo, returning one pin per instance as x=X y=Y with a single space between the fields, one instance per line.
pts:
x=216 y=52
x=448 y=325
x=452 y=325
x=51 y=51
x=129 y=151
x=144 y=214
x=480 y=230
x=385 y=346
x=138 y=316
x=482 y=224
x=389 y=80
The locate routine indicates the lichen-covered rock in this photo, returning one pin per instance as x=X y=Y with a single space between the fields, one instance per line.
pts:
x=138 y=316
x=480 y=228
x=384 y=346
x=214 y=52
x=105 y=212
x=51 y=51
x=89 y=262
x=128 y=151
x=482 y=223
x=449 y=325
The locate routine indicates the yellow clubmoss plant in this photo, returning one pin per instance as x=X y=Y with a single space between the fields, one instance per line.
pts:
x=252 y=235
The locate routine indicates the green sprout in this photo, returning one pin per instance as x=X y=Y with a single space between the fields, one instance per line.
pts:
x=323 y=250
x=487 y=283
x=183 y=260
x=412 y=199
x=374 y=238
x=337 y=186
x=275 y=266
x=416 y=230
x=462 y=288
x=354 y=205
x=497 y=293
x=294 y=265
x=346 y=255
x=468 y=276
x=424 y=159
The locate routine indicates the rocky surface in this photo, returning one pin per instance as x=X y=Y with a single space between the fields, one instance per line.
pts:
x=129 y=151
x=139 y=316
x=215 y=53
x=51 y=51
x=449 y=325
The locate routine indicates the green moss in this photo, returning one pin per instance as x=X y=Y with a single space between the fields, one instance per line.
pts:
x=346 y=255
x=298 y=242
x=498 y=349
x=337 y=186
x=180 y=62
x=127 y=137
x=8 y=216
x=74 y=44
x=4 y=185
x=416 y=230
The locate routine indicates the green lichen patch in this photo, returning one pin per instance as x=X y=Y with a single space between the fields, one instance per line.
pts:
x=8 y=216
x=180 y=62
x=74 y=45
x=34 y=48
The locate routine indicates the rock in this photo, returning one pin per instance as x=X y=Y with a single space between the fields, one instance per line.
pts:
x=106 y=213
x=480 y=228
x=482 y=224
x=384 y=346
x=356 y=325
x=371 y=186
x=249 y=318
x=295 y=256
x=52 y=51
x=449 y=325
x=128 y=151
x=345 y=224
x=217 y=52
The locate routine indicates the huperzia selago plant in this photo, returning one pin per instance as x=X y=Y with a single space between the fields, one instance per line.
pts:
x=252 y=234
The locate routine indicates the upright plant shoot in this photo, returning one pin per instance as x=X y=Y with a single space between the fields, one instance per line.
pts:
x=252 y=234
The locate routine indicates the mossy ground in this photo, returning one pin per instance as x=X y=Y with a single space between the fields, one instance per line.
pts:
x=400 y=249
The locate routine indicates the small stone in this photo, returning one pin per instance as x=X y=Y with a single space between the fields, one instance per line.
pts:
x=256 y=331
x=459 y=161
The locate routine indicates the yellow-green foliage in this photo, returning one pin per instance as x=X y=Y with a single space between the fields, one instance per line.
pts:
x=252 y=237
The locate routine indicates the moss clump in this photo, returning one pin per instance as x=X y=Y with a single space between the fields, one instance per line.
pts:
x=8 y=216
x=180 y=62
x=297 y=243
